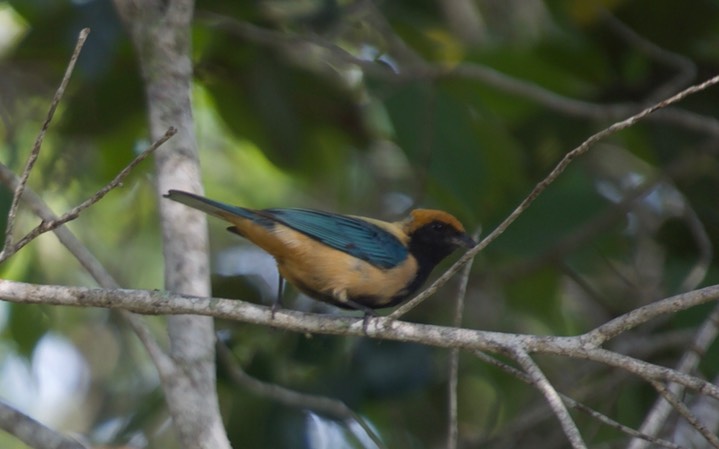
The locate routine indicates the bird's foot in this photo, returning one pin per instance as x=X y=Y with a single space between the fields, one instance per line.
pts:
x=278 y=299
x=277 y=305
x=368 y=315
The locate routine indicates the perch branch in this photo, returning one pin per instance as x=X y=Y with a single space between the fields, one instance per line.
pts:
x=165 y=303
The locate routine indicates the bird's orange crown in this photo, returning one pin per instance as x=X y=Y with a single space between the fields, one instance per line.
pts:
x=421 y=217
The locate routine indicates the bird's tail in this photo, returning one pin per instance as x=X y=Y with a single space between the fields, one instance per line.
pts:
x=212 y=207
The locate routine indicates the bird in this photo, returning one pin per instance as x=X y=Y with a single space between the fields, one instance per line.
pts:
x=349 y=261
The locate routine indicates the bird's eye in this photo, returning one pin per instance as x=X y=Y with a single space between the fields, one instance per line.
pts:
x=439 y=226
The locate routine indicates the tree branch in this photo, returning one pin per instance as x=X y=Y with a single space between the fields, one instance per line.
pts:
x=705 y=409
x=632 y=319
x=541 y=186
x=419 y=69
x=577 y=405
x=324 y=405
x=540 y=381
x=33 y=433
x=165 y=303
x=656 y=418
x=452 y=425
x=161 y=34
x=38 y=143
x=686 y=413
x=73 y=213
x=686 y=68
x=25 y=428
x=89 y=261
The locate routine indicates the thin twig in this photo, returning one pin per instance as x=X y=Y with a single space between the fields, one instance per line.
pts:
x=38 y=141
x=704 y=337
x=578 y=108
x=588 y=231
x=321 y=404
x=14 y=422
x=453 y=428
x=705 y=408
x=705 y=247
x=89 y=261
x=572 y=403
x=541 y=186
x=166 y=368
x=32 y=201
x=424 y=70
x=686 y=413
x=540 y=381
x=91 y=264
x=162 y=362
x=72 y=214
x=687 y=69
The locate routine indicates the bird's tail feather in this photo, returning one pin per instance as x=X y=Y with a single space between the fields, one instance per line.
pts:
x=214 y=208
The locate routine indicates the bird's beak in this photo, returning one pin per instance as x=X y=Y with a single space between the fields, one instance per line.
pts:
x=464 y=240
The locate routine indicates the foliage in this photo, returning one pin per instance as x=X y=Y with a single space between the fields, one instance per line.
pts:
x=284 y=118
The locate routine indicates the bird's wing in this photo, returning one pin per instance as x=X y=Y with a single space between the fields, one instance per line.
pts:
x=351 y=235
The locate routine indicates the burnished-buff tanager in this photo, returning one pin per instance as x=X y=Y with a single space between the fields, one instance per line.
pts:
x=348 y=261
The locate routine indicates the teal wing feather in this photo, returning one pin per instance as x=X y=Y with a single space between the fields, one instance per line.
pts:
x=351 y=235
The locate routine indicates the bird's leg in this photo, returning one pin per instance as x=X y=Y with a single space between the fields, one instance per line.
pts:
x=368 y=313
x=365 y=320
x=278 y=299
x=343 y=298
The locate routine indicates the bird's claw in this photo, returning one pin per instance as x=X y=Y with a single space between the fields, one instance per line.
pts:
x=275 y=307
x=368 y=315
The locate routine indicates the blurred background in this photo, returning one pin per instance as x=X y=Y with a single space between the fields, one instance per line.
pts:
x=373 y=108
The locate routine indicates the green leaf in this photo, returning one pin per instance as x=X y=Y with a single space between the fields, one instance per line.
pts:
x=26 y=325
